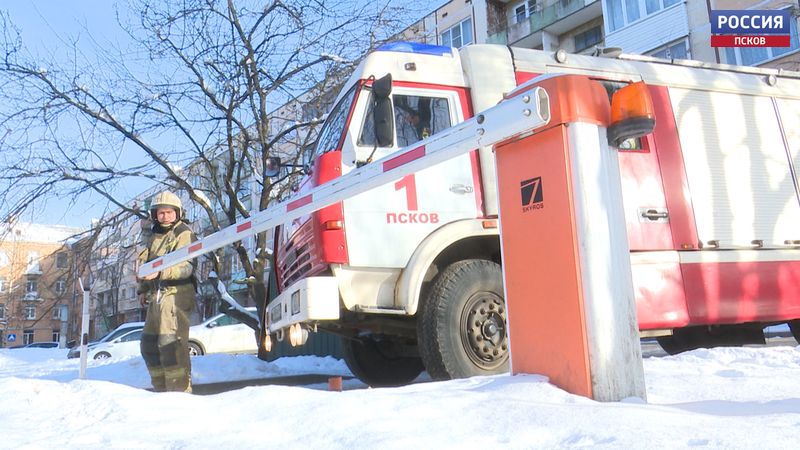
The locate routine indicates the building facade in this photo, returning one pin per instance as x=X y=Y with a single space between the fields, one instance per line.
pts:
x=37 y=275
x=671 y=29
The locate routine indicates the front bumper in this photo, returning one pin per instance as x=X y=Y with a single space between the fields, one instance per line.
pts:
x=308 y=300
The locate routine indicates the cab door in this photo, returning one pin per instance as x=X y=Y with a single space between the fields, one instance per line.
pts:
x=385 y=225
x=646 y=214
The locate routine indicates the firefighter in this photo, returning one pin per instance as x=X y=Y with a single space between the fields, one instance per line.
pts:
x=170 y=297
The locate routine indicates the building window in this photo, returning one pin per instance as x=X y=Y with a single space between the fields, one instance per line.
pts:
x=588 y=38
x=56 y=335
x=33 y=264
x=523 y=10
x=61 y=260
x=3 y=285
x=623 y=12
x=750 y=56
x=205 y=269
x=2 y=311
x=61 y=286
x=236 y=264
x=29 y=312
x=458 y=36
x=30 y=286
x=676 y=50
x=27 y=337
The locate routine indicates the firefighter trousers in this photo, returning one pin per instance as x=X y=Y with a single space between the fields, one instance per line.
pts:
x=164 y=344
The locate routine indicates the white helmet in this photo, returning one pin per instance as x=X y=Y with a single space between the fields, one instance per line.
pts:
x=166 y=199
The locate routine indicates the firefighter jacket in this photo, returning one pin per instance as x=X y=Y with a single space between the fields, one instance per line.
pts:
x=177 y=280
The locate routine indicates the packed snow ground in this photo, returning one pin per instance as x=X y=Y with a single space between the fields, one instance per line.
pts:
x=719 y=398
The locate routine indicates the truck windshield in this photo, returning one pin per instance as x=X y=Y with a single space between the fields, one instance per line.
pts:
x=332 y=132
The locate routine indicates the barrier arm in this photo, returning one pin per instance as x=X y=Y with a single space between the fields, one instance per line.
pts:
x=514 y=117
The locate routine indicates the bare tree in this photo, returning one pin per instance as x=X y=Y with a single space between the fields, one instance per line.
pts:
x=189 y=104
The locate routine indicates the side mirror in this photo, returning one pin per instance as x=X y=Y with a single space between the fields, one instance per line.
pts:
x=382 y=87
x=382 y=111
x=212 y=325
x=272 y=166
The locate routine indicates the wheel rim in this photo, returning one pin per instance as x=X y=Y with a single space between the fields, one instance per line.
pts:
x=193 y=351
x=483 y=330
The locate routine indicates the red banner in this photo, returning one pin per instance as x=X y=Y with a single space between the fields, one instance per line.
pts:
x=750 y=41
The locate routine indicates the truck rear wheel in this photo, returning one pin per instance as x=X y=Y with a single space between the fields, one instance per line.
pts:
x=461 y=328
x=380 y=362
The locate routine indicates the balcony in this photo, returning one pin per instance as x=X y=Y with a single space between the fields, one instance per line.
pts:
x=556 y=17
x=31 y=297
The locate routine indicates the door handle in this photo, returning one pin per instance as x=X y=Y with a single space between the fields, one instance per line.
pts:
x=654 y=213
x=460 y=189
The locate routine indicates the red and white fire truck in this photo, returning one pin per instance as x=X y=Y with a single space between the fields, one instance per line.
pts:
x=409 y=273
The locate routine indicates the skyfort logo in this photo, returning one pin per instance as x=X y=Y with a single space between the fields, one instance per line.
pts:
x=532 y=195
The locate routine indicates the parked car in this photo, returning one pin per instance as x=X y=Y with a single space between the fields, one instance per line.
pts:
x=75 y=351
x=125 y=345
x=222 y=334
x=42 y=345
x=37 y=345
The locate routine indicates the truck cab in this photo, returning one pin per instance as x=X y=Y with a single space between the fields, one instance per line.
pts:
x=366 y=243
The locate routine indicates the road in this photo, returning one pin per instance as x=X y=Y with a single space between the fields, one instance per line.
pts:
x=650 y=348
x=293 y=380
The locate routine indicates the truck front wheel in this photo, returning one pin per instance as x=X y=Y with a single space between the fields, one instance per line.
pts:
x=461 y=328
x=380 y=362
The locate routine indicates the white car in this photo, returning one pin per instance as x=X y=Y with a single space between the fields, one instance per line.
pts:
x=75 y=351
x=222 y=334
x=125 y=345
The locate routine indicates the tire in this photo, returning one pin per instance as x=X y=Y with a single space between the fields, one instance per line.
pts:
x=692 y=338
x=461 y=324
x=674 y=345
x=380 y=363
x=794 y=327
x=102 y=355
x=195 y=349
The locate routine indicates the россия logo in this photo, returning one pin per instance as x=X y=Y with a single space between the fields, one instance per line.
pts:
x=750 y=28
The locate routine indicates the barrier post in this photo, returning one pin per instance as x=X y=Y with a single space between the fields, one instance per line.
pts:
x=566 y=261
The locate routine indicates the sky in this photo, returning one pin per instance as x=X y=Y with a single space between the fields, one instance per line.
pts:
x=48 y=27
x=708 y=398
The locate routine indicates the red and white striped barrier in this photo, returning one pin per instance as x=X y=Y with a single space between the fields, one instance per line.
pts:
x=516 y=116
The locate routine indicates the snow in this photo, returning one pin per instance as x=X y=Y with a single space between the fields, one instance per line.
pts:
x=32 y=232
x=334 y=58
x=720 y=398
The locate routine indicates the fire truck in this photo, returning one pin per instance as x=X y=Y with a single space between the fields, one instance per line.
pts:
x=409 y=273
x=404 y=262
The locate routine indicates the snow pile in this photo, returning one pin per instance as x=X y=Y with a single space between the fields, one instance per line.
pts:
x=720 y=398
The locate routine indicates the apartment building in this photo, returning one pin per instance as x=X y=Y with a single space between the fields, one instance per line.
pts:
x=678 y=29
x=37 y=275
